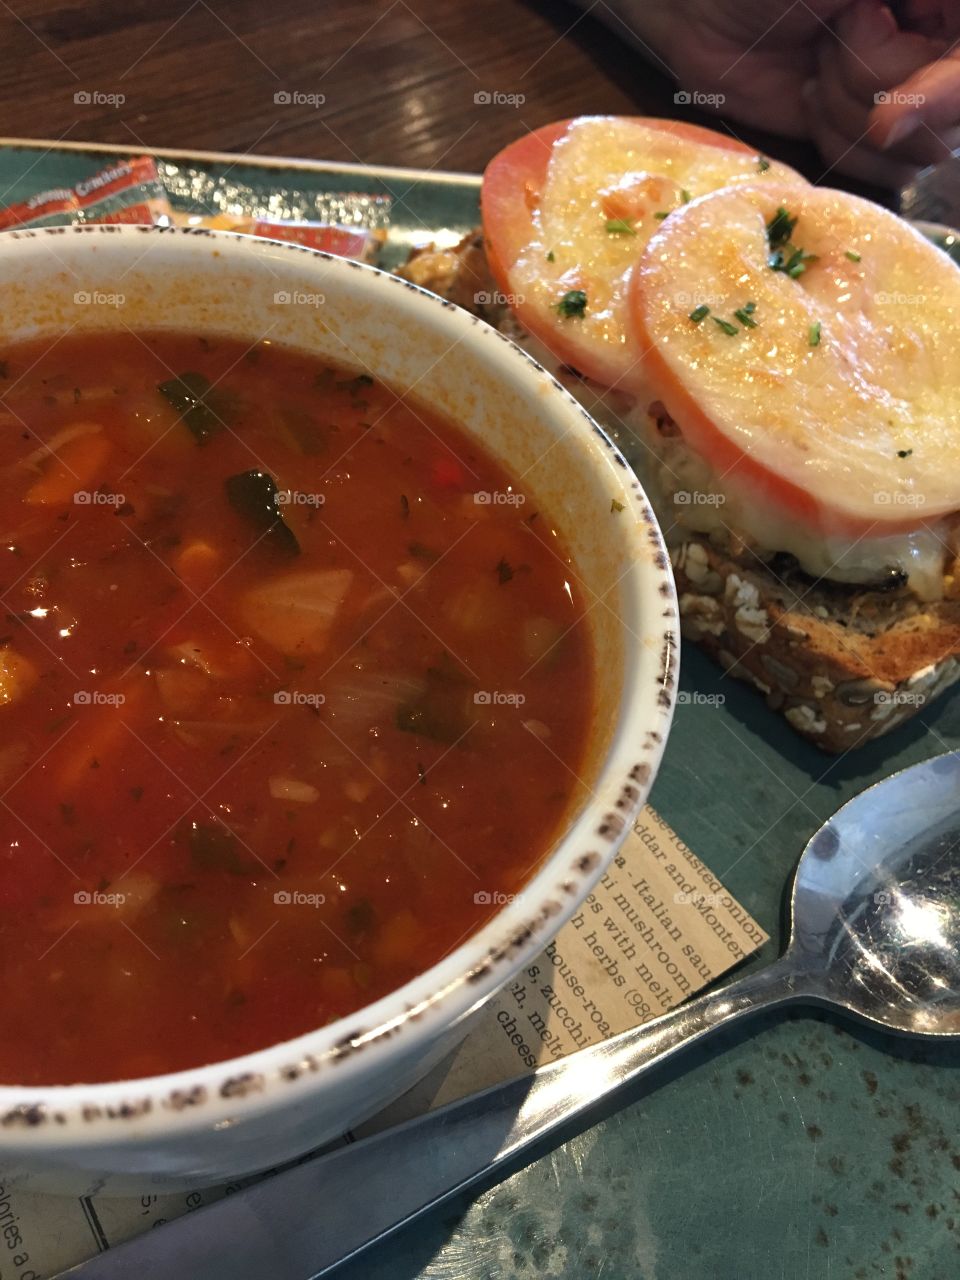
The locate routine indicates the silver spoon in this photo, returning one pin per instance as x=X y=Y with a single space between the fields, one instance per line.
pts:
x=876 y=934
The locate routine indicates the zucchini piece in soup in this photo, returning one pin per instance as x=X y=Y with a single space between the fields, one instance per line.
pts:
x=255 y=496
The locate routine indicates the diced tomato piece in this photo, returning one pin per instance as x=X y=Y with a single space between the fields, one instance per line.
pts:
x=448 y=473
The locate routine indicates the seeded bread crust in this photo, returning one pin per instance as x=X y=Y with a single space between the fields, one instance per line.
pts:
x=839 y=680
x=843 y=664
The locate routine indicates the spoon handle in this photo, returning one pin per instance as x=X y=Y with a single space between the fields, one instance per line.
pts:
x=306 y=1221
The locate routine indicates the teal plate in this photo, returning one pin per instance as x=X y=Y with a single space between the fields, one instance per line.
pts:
x=801 y=1148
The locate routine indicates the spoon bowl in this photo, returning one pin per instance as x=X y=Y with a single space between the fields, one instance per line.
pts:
x=876 y=903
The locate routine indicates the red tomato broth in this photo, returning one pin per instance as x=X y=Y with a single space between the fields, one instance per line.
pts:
x=248 y=783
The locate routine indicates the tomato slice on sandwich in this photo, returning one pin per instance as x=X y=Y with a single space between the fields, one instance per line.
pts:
x=819 y=372
x=568 y=208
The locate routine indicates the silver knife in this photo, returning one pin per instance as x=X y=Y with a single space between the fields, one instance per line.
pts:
x=307 y=1220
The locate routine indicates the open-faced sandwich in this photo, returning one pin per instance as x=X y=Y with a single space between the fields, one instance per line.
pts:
x=779 y=363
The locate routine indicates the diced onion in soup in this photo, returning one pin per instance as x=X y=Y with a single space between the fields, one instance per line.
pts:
x=538 y=729
x=191 y=654
x=369 y=696
x=57 y=442
x=357 y=789
x=539 y=637
x=292 y=789
x=295 y=611
x=181 y=689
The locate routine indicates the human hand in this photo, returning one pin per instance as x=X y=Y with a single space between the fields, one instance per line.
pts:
x=885 y=99
x=880 y=95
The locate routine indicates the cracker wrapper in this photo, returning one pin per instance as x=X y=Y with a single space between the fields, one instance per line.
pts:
x=153 y=192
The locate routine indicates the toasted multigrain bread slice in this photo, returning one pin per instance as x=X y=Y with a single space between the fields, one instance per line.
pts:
x=844 y=664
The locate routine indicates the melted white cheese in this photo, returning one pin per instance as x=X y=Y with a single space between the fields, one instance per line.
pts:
x=667 y=467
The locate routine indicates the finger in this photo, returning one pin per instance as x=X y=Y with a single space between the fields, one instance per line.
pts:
x=930 y=97
x=851 y=115
x=848 y=107
x=851 y=119
x=932 y=17
x=869 y=53
x=856 y=71
x=855 y=158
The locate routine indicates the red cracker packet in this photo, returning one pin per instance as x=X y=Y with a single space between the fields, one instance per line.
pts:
x=345 y=242
x=132 y=191
x=127 y=191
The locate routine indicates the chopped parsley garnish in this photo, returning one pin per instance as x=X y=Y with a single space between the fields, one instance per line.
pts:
x=904 y=453
x=794 y=264
x=785 y=256
x=685 y=196
x=763 y=164
x=550 y=256
x=854 y=257
x=620 y=227
x=729 y=329
x=780 y=228
x=699 y=313
x=664 y=213
x=615 y=506
x=573 y=303
x=813 y=335
x=745 y=315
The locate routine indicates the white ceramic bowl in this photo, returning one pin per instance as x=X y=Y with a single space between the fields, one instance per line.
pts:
x=214 y=1122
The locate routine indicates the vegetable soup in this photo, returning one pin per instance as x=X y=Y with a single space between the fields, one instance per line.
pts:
x=295 y=690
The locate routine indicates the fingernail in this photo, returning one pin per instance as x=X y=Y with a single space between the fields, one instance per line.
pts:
x=902 y=129
x=886 y=22
x=873 y=24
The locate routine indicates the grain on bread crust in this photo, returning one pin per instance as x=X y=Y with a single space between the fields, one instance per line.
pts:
x=836 y=684
x=843 y=664
x=459 y=274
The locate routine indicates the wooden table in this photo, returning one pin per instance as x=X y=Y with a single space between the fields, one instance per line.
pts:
x=400 y=80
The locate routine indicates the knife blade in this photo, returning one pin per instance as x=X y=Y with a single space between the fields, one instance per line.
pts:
x=303 y=1222
x=307 y=1220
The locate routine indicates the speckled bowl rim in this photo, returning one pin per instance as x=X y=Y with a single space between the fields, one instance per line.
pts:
x=73 y=1116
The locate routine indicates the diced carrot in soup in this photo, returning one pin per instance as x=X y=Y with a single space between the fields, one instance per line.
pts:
x=264 y=714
